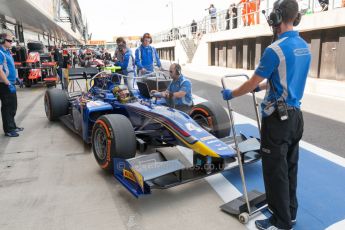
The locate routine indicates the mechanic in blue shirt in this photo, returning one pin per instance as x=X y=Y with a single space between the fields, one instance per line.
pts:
x=8 y=95
x=146 y=56
x=179 y=92
x=285 y=65
x=127 y=66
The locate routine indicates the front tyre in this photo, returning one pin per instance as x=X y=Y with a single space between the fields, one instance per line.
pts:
x=112 y=137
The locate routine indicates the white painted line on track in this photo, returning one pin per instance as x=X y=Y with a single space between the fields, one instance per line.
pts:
x=223 y=187
x=218 y=182
x=228 y=191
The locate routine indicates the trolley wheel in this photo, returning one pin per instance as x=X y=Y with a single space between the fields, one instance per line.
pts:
x=243 y=217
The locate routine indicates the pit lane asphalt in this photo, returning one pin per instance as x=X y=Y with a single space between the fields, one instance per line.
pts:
x=50 y=180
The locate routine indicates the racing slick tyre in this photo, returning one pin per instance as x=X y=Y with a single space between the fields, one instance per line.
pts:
x=35 y=46
x=112 y=137
x=212 y=117
x=27 y=83
x=55 y=103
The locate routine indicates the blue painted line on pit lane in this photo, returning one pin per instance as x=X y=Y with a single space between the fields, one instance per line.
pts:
x=320 y=188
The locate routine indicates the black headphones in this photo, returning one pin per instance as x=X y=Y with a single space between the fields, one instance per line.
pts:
x=276 y=16
x=178 y=68
x=2 y=38
x=147 y=35
x=297 y=19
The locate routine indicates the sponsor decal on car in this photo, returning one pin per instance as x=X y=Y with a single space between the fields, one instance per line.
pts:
x=129 y=175
x=192 y=127
x=207 y=138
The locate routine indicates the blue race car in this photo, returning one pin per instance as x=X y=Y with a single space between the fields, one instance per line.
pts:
x=121 y=124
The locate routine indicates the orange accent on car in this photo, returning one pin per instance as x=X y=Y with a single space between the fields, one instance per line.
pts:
x=33 y=57
x=210 y=121
x=209 y=118
x=102 y=123
x=50 y=64
x=34 y=74
x=50 y=79
x=202 y=110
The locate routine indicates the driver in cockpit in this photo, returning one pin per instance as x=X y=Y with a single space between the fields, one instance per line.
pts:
x=122 y=93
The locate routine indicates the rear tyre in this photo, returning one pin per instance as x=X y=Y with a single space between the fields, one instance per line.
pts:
x=213 y=118
x=28 y=83
x=55 y=104
x=112 y=137
x=35 y=47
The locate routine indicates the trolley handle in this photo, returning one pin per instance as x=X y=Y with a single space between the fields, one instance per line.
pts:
x=233 y=130
x=232 y=75
x=256 y=105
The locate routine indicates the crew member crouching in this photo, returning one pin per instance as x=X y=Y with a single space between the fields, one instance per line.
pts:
x=179 y=93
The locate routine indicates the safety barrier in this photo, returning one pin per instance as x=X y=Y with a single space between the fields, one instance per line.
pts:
x=244 y=14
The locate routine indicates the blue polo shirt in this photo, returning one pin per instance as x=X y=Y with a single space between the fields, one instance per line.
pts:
x=8 y=65
x=182 y=84
x=286 y=63
x=146 y=57
x=128 y=64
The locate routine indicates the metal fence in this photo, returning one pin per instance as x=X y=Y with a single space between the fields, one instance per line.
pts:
x=239 y=16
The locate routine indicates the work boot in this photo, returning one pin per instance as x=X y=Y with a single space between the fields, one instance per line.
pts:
x=19 y=129
x=266 y=225
x=12 y=133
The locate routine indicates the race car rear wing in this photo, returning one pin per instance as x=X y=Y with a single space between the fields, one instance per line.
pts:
x=81 y=73
x=74 y=74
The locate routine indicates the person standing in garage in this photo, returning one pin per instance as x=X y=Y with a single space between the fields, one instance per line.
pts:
x=127 y=66
x=8 y=95
x=146 y=56
x=285 y=66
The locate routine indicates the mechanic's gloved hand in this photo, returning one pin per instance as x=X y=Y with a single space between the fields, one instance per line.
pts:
x=157 y=94
x=20 y=82
x=227 y=94
x=12 y=88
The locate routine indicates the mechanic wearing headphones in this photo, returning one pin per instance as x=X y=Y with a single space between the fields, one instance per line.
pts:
x=285 y=65
x=146 y=56
x=8 y=96
x=179 y=92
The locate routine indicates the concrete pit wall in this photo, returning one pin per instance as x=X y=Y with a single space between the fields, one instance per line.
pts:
x=327 y=48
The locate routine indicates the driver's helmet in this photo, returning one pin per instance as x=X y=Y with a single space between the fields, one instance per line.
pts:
x=121 y=92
